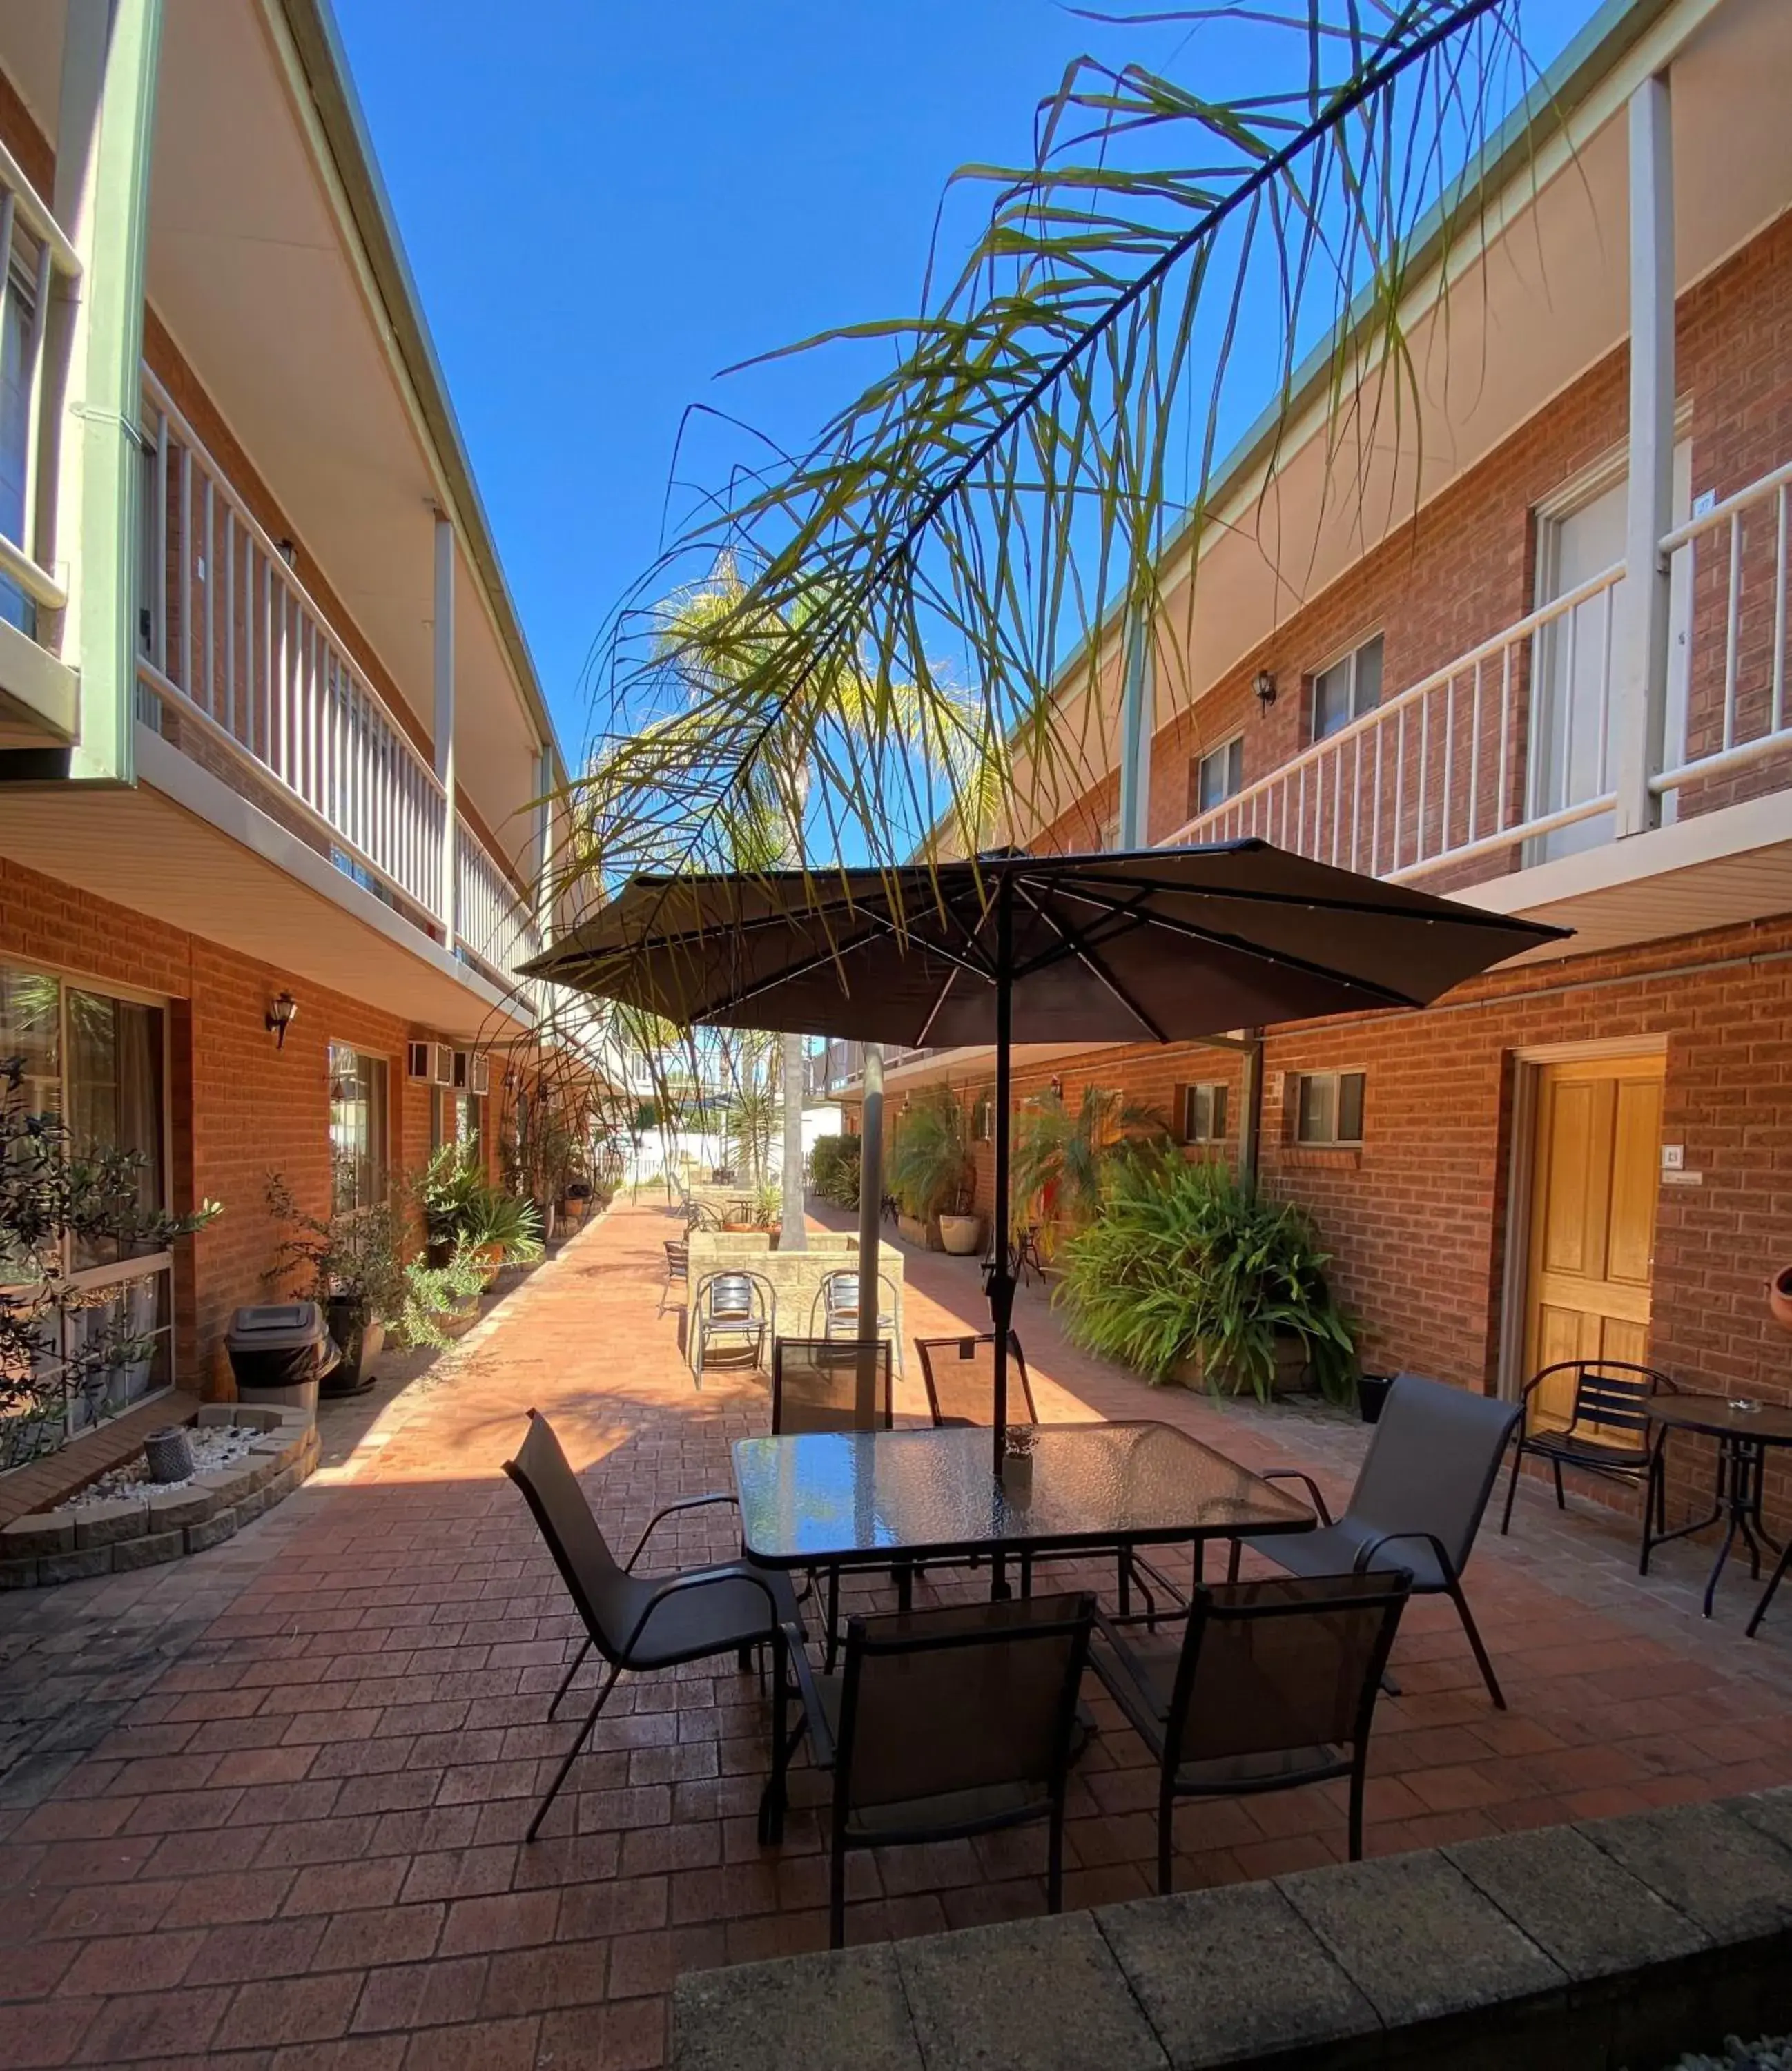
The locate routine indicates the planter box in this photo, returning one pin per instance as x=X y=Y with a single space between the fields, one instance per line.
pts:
x=1290 y=1377
x=926 y=1235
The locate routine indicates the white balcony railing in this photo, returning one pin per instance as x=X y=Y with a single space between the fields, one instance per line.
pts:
x=495 y=928
x=25 y=221
x=1514 y=741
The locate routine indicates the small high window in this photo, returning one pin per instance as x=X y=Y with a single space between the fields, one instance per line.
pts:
x=1214 y=777
x=1347 y=690
x=1328 y=1107
x=1203 y=1114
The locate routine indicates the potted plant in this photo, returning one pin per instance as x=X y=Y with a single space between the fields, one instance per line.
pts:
x=500 y=1230
x=932 y=1171
x=449 y=1192
x=439 y=1302
x=1186 y=1273
x=1061 y=1156
x=348 y=1263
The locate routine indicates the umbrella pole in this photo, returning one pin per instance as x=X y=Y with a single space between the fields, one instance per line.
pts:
x=871 y=1214
x=1001 y=1283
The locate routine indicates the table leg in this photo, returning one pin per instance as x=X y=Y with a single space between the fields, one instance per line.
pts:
x=1767 y=1594
x=1652 y=1539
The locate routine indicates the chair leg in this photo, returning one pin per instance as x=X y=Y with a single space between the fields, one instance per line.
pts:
x=1054 y=1862
x=1785 y=1561
x=771 y=1803
x=1167 y=1837
x=1480 y=1652
x=1233 y=1559
x=1561 y=1500
x=1511 y=1489
x=832 y=1617
x=578 y=1661
x=837 y=1893
x=572 y=1755
x=1356 y=1811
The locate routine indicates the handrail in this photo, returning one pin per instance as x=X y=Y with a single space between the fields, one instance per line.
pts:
x=36 y=211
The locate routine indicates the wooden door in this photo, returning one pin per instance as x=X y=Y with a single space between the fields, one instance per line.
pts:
x=1595 y=1171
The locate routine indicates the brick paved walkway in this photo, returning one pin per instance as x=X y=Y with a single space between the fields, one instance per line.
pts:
x=284 y=1828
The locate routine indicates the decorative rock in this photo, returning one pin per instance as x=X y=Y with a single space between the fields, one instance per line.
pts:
x=180 y=1508
x=77 y=1567
x=1032 y=1996
x=1199 y=1963
x=1724 y=1872
x=43 y=1532
x=811 y=2013
x=220 y=1526
x=1417 y=1938
x=149 y=1551
x=1581 y=1908
x=99 y=1523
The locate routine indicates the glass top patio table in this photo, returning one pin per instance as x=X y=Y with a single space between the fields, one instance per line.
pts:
x=833 y=1496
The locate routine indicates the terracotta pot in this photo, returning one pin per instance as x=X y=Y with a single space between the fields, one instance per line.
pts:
x=1779 y=1297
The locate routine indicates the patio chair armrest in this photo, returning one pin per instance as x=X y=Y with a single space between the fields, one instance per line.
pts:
x=683 y=1502
x=815 y=1714
x=1294 y=1474
x=698 y=1578
x=1370 y=1548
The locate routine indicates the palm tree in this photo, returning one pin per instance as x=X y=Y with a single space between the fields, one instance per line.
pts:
x=1071 y=1154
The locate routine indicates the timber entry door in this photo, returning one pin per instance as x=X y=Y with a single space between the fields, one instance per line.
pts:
x=1594 y=1174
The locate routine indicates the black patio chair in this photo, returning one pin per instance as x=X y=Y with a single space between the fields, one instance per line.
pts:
x=731 y=1307
x=836 y=1308
x=702 y=1216
x=642 y=1623
x=943 y=1723
x=1419 y=1499
x=960 y=1377
x=1271 y=1686
x=678 y=1270
x=1608 y=1431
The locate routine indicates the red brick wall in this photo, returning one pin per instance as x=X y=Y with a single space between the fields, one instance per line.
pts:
x=241 y=1108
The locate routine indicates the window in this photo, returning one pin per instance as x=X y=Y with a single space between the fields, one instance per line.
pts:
x=1328 y=1107
x=1347 y=689
x=455 y=1118
x=1214 y=778
x=15 y=427
x=359 y=1174
x=1203 y=1114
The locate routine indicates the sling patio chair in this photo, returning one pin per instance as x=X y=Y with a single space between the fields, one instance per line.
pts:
x=1420 y=1497
x=638 y=1622
x=942 y=1725
x=732 y=1308
x=836 y=1308
x=678 y=1270
x=1271 y=1685
x=1607 y=1431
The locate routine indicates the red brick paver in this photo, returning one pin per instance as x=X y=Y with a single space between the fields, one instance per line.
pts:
x=301 y=1845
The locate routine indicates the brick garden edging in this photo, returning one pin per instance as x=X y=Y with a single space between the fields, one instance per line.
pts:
x=1617 y=1943
x=140 y=1532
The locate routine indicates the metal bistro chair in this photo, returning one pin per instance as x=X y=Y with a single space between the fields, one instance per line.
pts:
x=732 y=1307
x=678 y=1270
x=702 y=1216
x=836 y=1307
x=1419 y=1499
x=1608 y=1430
x=1272 y=1685
x=639 y=1623
x=943 y=1723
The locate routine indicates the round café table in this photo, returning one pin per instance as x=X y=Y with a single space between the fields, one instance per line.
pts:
x=1745 y=1436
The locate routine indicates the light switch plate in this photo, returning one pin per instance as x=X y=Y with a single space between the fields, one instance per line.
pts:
x=1673 y=1158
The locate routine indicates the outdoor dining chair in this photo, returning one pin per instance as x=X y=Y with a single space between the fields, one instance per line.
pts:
x=1420 y=1497
x=942 y=1723
x=960 y=1377
x=836 y=1308
x=1607 y=1431
x=731 y=1308
x=638 y=1622
x=678 y=1269
x=1271 y=1685
x=702 y=1216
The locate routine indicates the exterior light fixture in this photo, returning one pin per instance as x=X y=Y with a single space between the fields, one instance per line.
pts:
x=280 y=1017
x=1265 y=688
x=1057 y=1087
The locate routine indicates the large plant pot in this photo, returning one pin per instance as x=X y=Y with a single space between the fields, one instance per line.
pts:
x=360 y=1339
x=1371 y=1395
x=1779 y=1297
x=1290 y=1377
x=962 y=1235
x=912 y=1230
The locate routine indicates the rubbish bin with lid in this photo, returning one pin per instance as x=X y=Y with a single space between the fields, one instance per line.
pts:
x=279 y=1352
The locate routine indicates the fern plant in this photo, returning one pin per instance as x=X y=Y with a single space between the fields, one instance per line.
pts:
x=1186 y=1260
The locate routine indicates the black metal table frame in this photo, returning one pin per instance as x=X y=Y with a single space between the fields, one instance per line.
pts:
x=1741 y=1467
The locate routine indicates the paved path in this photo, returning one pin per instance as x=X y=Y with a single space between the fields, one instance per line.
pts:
x=286 y=1830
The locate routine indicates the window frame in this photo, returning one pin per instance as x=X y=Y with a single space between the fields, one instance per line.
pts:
x=380 y=1145
x=1219 y=1102
x=1337 y=1081
x=1351 y=660
x=1233 y=749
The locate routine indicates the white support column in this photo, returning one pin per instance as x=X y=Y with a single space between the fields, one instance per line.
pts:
x=1642 y=666
x=447 y=910
x=541 y=873
x=1137 y=722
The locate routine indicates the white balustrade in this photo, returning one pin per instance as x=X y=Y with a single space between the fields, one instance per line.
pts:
x=496 y=928
x=29 y=232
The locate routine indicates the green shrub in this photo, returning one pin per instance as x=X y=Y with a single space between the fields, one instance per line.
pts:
x=931 y=1170
x=1185 y=1259
x=834 y=1169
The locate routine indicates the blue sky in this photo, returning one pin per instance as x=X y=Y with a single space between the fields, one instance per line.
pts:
x=606 y=205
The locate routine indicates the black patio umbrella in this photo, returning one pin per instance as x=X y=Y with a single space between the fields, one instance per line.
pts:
x=1157 y=945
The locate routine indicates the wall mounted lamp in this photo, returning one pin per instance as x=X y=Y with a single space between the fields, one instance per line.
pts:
x=1265 y=688
x=281 y=1015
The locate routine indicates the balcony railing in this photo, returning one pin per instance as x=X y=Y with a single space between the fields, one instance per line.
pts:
x=1482 y=761
x=233 y=644
x=25 y=221
x=843 y=1064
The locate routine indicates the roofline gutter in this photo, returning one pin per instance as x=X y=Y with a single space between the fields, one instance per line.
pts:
x=317 y=44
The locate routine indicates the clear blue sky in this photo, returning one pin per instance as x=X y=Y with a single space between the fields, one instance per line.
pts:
x=607 y=202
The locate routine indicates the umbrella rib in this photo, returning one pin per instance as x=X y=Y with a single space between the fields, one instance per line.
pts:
x=934 y=949
x=730 y=1001
x=1456 y=915
x=1218 y=940
x=1081 y=948
x=933 y=1011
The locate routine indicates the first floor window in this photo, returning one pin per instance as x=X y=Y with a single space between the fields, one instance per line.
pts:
x=1204 y=1115
x=1328 y=1107
x=1217 y=776
x=1347 y=690
x=359 y=1173
x=457 y=1116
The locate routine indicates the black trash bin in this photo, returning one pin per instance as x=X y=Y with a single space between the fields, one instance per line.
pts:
x=279 y=1352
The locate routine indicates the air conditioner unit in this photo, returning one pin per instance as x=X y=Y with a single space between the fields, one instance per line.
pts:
x=431 y=1062
x=472 y=1072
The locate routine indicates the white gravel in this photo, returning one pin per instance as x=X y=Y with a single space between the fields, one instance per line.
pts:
x=214 y=1445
